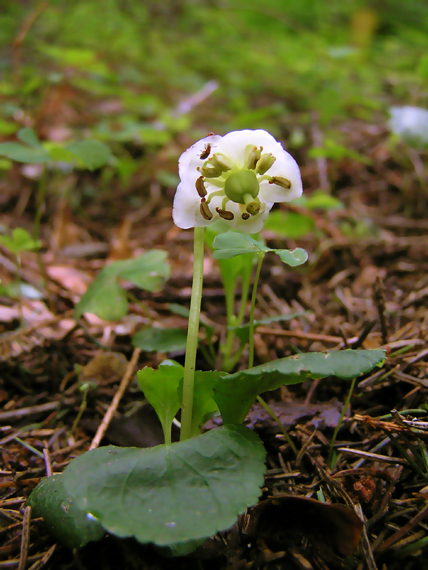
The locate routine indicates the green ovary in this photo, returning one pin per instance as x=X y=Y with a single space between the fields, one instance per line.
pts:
x=241 y=184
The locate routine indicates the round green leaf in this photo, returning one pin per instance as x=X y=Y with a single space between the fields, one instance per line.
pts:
x=68 y=524
x=170 y=493
x=235 y=393
x=294 y=257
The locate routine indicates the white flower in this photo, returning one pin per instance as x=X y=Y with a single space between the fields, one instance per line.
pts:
x=237 y=177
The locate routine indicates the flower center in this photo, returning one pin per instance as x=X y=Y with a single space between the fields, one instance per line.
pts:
x=241 y=186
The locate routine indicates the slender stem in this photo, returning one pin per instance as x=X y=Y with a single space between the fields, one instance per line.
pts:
x=339 y=423
x=279 y=424
x=253 y=305
x=251 y=355
x=19 y=279
x=192 y=334
x=41 y=191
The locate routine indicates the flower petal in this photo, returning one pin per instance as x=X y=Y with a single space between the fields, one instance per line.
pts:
x=190 y=160
x=286 y=167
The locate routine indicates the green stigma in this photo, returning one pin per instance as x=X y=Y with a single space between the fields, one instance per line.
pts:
x=241 y=184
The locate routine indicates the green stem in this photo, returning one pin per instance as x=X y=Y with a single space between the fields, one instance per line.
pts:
x=253 y=305
x=339 y=423
x=41 y=191
x=251 y=355
x=192 y=334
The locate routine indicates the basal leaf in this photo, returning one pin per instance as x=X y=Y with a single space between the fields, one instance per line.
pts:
x=235 y=393
x=160 y=387
x=68 y=524
x=170 y=493
x=154 y=339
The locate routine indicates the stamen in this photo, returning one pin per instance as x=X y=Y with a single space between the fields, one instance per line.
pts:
x=245 y=216
x=265 y=162
x=225 y=214
x=253 y=156
x=280 y=181
x=205 y=211
x=200 y=188
x=214 y=194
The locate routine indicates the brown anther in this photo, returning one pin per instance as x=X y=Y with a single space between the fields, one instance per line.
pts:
x=280 y=181
x=205 y=211
x=200 y=187
x=245 y=216
x=225 y=214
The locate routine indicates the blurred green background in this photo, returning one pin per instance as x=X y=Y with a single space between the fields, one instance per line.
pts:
x=148 y=78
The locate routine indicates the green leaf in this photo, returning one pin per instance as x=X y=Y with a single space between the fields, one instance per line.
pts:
x=21 y=153
x=235 y=393
x=231 y=244
x=28 y=136
x=294 y=257
x=93 y=154
x=148 y=271
x=154 y=339
x=170 y=493
x=160 y=387
x=68 y=524
x=106 y=298
x=20 y=241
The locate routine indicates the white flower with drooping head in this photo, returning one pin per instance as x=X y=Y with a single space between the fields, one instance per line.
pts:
x=238 y=178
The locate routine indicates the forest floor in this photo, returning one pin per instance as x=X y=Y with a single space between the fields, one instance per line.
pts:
x=365 y=286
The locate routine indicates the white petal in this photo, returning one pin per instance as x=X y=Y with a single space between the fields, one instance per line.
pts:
x=190 y=159
x=286 y=167
x=234 y=144
x=186 y=208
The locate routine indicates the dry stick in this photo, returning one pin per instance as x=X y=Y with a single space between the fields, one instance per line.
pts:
x=365 y=542
x=403 y=530
x=117 y=397
x=25 y=538
x=40 y=563
x=48 y=463
x=302 y=335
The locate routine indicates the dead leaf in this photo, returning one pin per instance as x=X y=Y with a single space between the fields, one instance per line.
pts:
x=282 y=517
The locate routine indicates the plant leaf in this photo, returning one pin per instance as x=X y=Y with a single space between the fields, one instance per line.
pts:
x=148 y=271
x=68 y=524
x=22 y=153
x=93 y=154
x=235 y=393
x=106 y=298
x=154 y=339
x=294 y=257
x=161 y=390
x=170 y=493
x=28 y=136
x=231 y=244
